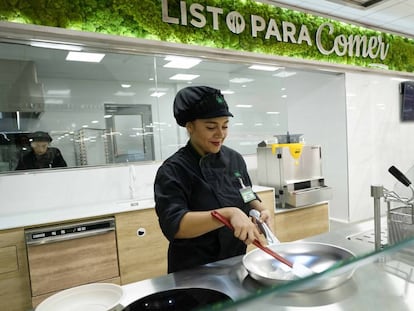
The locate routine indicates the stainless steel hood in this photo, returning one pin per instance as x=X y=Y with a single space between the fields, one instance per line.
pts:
x=20 y=90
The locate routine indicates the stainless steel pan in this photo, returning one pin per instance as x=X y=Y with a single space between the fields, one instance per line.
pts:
x=316 y=256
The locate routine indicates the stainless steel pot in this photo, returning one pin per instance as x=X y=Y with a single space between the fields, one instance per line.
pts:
x=316 y=256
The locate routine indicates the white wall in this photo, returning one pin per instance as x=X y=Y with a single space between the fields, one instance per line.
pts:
x=55 y=189
x=321 y=117
x=377 y=138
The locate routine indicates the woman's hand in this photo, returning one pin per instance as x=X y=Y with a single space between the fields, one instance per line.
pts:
x=265 y=217
x=244 y=229
x=264 y=212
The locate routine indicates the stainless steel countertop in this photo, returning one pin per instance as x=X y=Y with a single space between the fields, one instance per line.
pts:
x=376 y=283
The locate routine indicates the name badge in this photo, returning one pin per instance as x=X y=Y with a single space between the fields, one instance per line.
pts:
x=247 y=194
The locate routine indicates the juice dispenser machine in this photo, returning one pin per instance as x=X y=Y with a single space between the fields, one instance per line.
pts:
x=295 y=171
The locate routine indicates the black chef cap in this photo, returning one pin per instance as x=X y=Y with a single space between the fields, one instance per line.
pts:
x=199 y=102
x=40 y=136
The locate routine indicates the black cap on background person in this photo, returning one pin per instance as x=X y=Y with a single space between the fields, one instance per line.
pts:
x=40 y=136
x=199 y=102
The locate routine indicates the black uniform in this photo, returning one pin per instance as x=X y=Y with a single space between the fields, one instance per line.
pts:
x=52 y=158
x=188 y=182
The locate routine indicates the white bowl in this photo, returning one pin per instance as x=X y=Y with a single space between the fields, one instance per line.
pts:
x=90 y=297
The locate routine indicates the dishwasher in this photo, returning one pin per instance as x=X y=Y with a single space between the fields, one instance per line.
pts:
x=71 y=254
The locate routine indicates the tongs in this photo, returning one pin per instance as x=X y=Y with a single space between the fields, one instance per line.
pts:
x=296 y=268
x=270 y=237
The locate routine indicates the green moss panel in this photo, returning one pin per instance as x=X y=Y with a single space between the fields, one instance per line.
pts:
x=226 y=24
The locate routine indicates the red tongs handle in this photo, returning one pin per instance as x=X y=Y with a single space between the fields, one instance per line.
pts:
x=222 y=219
x=256 y=242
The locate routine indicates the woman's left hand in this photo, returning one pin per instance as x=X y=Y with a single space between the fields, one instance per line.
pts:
x=265 y=217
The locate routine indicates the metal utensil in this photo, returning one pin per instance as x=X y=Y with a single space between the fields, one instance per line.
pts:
x=270 y=237
x=296 y=268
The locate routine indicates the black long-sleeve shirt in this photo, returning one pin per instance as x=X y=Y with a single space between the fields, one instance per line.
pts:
x=188 y=182
x=52 y=158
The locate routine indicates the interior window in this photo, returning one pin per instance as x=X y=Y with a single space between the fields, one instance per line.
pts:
x=118 y=108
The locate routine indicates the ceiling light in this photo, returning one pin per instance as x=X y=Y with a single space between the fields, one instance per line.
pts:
x=273 y=112
x=264 y=68
x=238 y=124
x=85 y=57
x=184 y=77
x=181 y=62
x=107 y=116
x=241 y=80
x=56 y=46
x=94 y=121
x=120 y=93
x=53 y=101
x=284 y=74
x=227 y=92
x=126 y=86
x=244 y=106
x=62 y=93
x=158 y=94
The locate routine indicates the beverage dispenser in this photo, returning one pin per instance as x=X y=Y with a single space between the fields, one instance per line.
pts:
x=294 y=169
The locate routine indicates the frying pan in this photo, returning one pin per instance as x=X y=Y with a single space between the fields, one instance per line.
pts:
x=316 y=256
x=294 y=268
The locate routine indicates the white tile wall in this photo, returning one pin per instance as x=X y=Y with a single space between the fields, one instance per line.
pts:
x=377 y=138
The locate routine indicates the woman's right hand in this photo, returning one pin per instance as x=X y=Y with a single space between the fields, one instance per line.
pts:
x=244 y=229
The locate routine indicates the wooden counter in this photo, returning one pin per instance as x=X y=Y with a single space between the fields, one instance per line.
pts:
x=141 y=246
x=299 y=223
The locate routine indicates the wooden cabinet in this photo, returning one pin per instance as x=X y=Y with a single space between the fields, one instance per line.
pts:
x=300 y=223
x=142 y=248
x=65 y=264
x=14 y=275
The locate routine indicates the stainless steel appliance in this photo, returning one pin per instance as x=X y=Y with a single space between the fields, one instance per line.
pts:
x=71 y=254
x=295 y=171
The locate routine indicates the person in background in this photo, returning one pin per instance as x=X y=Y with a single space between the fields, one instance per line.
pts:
x=41 y=154
x=200 y=177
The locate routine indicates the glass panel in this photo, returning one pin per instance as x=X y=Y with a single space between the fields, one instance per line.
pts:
x=42 y=91
x=383 y=280
x=128 y=143
x=90 y=146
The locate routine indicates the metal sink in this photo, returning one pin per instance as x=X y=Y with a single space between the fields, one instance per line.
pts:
x=182 y=299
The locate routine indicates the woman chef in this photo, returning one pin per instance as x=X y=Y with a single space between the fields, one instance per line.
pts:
x=203 y=176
